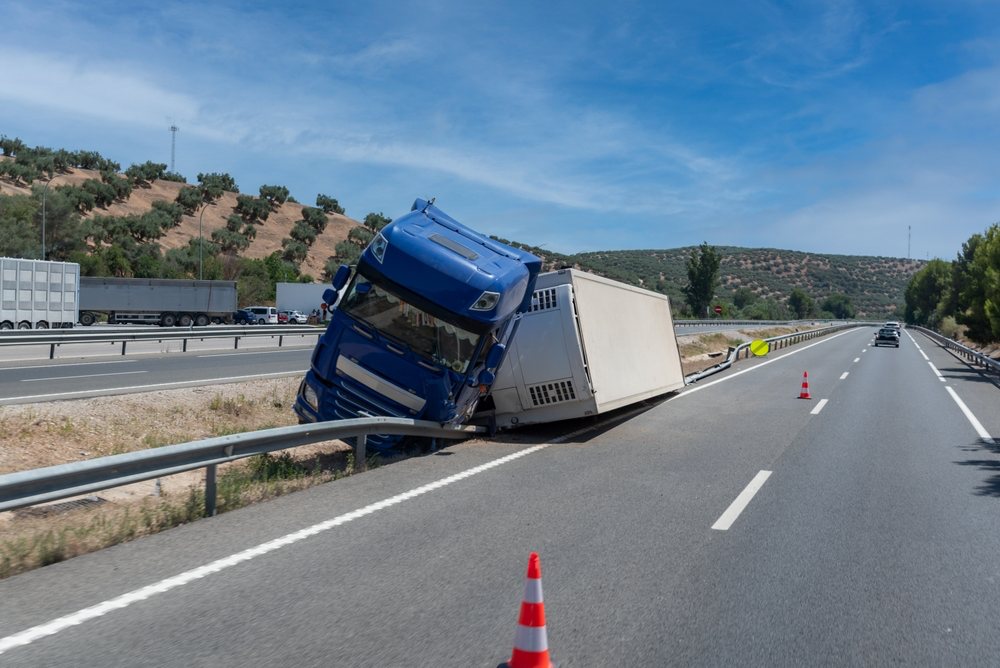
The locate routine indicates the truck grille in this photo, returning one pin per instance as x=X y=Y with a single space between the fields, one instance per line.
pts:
x=348 y=403
x=552 y=393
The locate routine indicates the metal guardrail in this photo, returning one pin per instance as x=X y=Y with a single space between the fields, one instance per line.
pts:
x=710 y=321
x=27 y=488
x=60 y=337
x=774 y=343
x=969 y=354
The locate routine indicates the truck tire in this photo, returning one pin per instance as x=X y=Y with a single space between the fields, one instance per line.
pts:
x=24 y=325
x=168 y=320
x=184 y=320
x=87 y=318
x=6 y=325
x=201 y=320
x=41 y=325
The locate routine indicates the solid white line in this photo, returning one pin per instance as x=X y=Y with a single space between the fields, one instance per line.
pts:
x=976 y=424
x=46 y=366
x=158 y=386
x=857 y=359
x=94 y=611
x=936 y=372
x=765 y=363
x=925 y=355
x=819 y=407
x=734 y=510
x=845 y=375
x=255 y=352
x=91 y=375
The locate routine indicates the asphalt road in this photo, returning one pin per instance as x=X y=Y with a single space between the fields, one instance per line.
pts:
x=32 y=381
x=874 y=540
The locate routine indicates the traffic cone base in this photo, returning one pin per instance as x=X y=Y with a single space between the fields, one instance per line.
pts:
x=531 y=644
x=804 y=394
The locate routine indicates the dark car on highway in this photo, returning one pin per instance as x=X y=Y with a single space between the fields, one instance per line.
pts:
x=887 y=336
x=244 y=317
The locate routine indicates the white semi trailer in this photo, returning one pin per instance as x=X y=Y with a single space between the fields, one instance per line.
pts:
x=156 y=301
x=589 y=345
x=38 y=294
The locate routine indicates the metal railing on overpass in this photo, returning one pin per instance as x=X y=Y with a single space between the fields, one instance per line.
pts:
x=965 y=352
x=61 y=337
x=773 y=343
x=712 y=322
x=27 y=488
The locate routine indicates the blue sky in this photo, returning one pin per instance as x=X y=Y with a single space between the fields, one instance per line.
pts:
x=822 y=126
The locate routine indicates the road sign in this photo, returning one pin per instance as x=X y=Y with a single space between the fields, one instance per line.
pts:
x=718 y=310
x=759 y=347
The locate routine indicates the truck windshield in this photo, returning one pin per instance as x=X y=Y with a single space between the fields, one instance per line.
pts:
x=425 y=334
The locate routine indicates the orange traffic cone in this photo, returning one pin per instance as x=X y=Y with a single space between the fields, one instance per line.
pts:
x=531 y=645
x=804 y=394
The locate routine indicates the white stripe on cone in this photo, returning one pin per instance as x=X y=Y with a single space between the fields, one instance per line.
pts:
x=532 y=591
x=531 y=639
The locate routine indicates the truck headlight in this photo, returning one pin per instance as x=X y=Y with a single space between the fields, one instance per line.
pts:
x=486 y=301
x=379 y=244
x=309 y=396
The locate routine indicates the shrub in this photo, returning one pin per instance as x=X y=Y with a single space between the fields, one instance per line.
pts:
x=190 y=199
x=329 y=204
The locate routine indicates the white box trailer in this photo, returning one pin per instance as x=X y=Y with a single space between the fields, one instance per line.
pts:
x=38 y=294
x=157 y=301
x=589 y=345
x=301 y=297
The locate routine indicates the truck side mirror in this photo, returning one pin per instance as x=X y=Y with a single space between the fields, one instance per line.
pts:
x=340 y=280
x=329 y=296
x=486 y=377
x=495 y=356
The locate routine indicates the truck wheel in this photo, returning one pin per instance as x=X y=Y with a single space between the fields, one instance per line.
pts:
x=24 y=325
x=6 y=325
x=42 y=325
x=185 y=320
x=168 y=320
x=87 y=319
x=201 y=320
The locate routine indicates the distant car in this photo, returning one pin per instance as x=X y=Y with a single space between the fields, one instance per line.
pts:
x=887 y=336
x=244 y=317
x=894 y=325
x=282 y=317
x=292 y=318
x=263 y=315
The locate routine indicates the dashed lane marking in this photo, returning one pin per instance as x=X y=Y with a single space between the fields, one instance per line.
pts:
x=741 y=502
x=819 y=407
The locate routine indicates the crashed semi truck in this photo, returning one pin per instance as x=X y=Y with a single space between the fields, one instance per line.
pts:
x=422 y=326
x=440 y=323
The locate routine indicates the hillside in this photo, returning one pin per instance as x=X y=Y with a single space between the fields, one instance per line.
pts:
x=875 y=284
x=269 y=233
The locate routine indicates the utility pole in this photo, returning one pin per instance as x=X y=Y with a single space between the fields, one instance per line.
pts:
x=173 y=144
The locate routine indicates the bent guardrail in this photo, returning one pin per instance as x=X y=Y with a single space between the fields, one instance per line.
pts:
x=965 y=352
x=51 y=483
x=774 y=343
x=61 y=337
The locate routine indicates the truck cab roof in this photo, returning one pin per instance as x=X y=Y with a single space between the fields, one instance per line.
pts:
x=433 y=261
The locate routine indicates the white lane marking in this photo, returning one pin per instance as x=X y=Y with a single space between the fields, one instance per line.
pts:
x=925 y=355
x=55 y=626
x=737 y=506
x=256 y=352
x=936 y=372
x=857 y=359
x=46 y=366
x=976 y=424
x=819 y=407
x=189 y=383
x=89 y=375
x=762 y=364
x=844 y=375
x=865 y=350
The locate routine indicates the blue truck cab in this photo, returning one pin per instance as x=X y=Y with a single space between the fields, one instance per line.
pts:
x=422 y=325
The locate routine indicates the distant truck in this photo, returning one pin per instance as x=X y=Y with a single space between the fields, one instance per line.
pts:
x=588 y=345
x=156 y=301
x=37 y=294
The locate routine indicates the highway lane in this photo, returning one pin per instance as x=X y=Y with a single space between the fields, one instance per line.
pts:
x=50 y=380
x=872 y=541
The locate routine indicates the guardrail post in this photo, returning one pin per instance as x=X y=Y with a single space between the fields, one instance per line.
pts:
x=52 y=352
x=211 y=486
x=123 y=347
x=236 y=343
x=184 y=349
x=360 y=451
x=279 y=340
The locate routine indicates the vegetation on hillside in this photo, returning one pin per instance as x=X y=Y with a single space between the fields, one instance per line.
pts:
x=965 y=291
